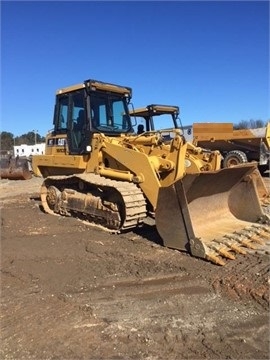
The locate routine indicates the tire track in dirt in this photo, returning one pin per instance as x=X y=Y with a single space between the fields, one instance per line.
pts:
x=71 y=292
x=247 y=278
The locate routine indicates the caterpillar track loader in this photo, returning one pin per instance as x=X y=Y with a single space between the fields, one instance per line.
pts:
x=197 y=159
x=97 y=168
x=152 y=119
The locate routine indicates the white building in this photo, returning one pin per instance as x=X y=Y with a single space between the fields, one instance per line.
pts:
x=28 y=150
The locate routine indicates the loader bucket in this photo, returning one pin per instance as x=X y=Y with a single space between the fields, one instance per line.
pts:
x=212 y=215
x=262 y=189
x=15 y=169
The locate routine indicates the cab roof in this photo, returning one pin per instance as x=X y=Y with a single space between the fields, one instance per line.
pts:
x=94 y=85
x=154 y=109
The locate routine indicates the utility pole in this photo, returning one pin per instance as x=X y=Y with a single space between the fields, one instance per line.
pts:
x=35 y=132
x=14 y=144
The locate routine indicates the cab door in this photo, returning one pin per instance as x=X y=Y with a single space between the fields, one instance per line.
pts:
x=78 y=127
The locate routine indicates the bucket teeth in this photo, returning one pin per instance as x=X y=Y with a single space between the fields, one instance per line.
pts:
x=261 y=234
x=251 y=235
x=265 y=228
x=222 y=250
x=262 y=231
x=232 y=245
x=257 y=240
x=248 y=244
x=234 y=242
x=215 y=259
x=237 y=248
x=226 y=254
x=243 y=241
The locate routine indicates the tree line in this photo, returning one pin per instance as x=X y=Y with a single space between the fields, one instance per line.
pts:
x=250 y=124
x=8 y=140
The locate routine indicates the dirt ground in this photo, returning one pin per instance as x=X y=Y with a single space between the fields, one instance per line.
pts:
x=71 y=291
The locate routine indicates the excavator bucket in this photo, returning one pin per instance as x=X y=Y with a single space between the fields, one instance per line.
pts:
x=15 y=169
x=213 y=215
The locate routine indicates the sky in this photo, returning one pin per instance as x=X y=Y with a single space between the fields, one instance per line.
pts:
x=210 y=58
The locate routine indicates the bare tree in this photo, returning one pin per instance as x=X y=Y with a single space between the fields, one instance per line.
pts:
x=250 y=124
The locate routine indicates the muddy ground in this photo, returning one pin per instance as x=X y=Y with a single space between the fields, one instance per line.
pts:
x=70 y=291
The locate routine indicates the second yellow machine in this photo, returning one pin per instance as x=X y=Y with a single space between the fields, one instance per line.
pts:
x=97 y=168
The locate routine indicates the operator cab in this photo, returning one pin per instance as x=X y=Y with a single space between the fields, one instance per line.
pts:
x=166 y=116
x=153 y=118
x=91 y=107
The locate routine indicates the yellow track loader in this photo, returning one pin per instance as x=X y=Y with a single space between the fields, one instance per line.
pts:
x=97 y=168
x=197 y=159
x=152 y=119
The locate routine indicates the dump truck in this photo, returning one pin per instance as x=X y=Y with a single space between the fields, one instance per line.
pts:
x=236 y=146
x=97 y=168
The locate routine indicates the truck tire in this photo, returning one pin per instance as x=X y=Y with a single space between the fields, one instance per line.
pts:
x=234 y=157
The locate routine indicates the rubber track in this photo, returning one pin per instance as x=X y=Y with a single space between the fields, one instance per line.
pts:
x=135 y=204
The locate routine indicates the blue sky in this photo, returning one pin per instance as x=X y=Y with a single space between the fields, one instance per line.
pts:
x=211 y=58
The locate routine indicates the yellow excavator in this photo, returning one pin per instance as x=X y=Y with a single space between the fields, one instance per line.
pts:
x=97 y=168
